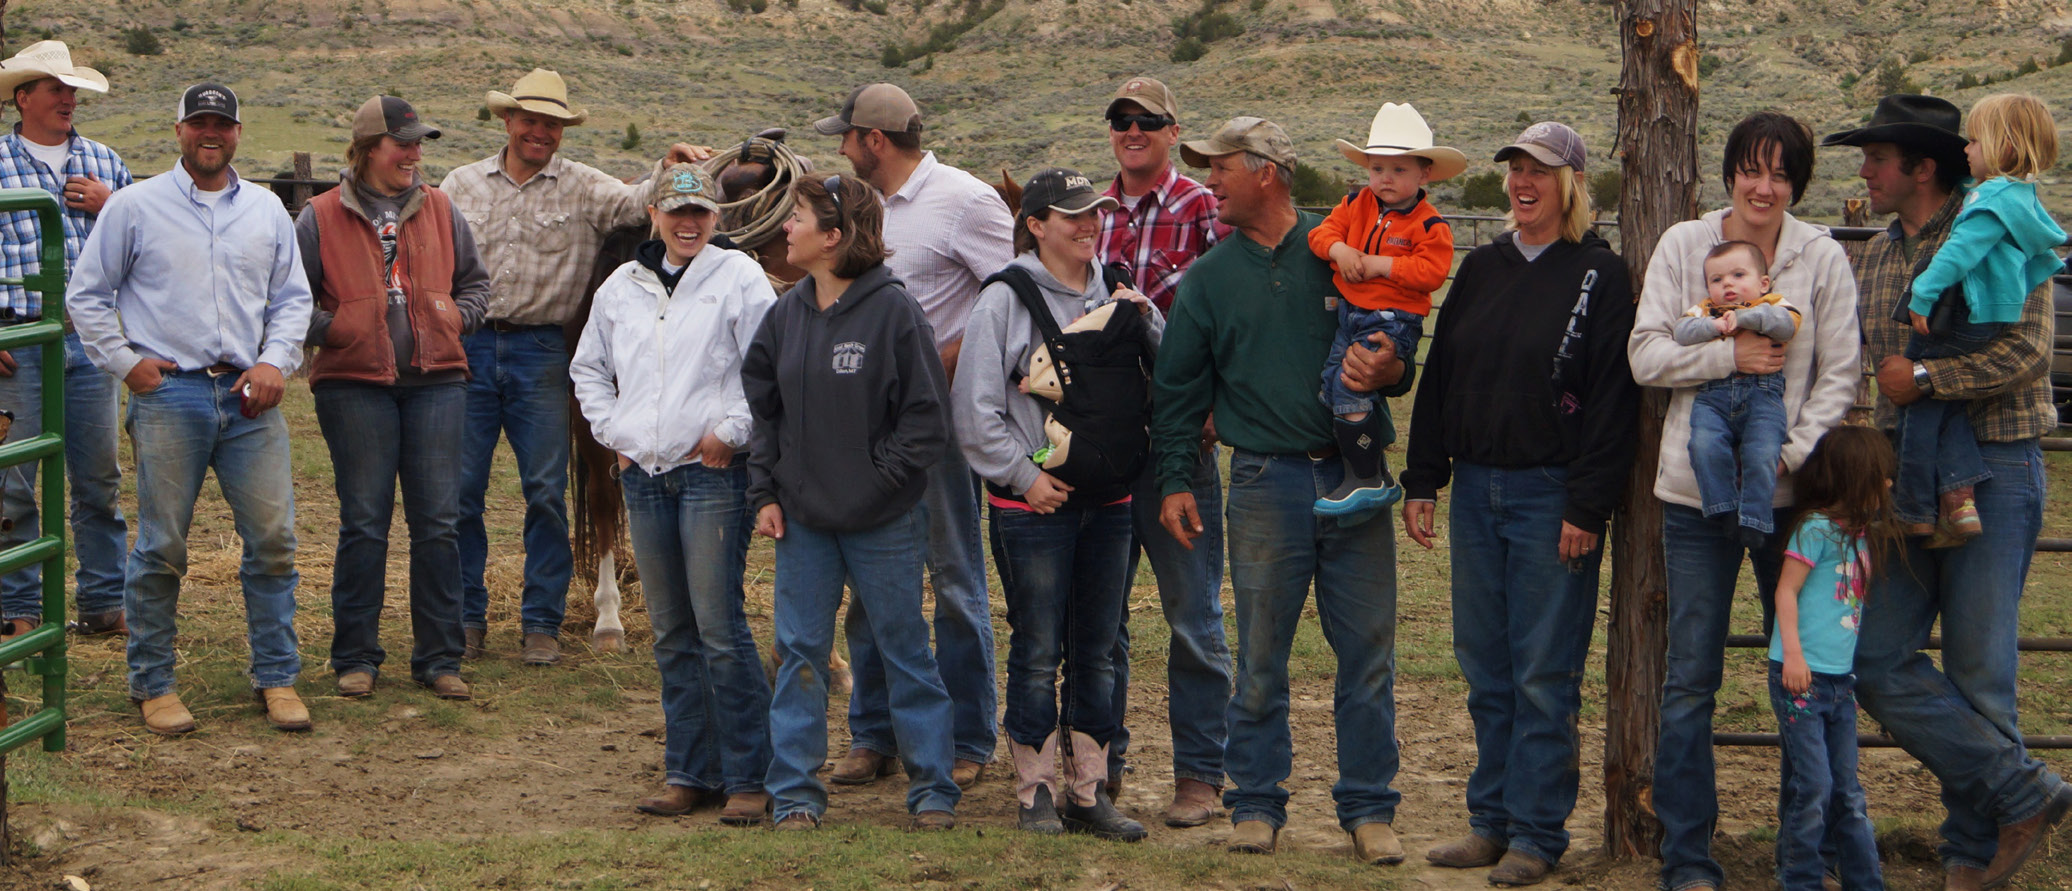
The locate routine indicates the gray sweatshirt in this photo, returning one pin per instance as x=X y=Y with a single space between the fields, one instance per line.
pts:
x=997 y=426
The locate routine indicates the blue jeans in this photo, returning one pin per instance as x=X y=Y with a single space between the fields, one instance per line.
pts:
x=963 y=624
x=1704 y=563
x=99 y=534
x=1959 y=720
x=1190 y=591
x=1933 y=439
x=521 y=391
x=689 y=528
x=1738 y=432
x=1354 y=326
x=1820 y=804
x=1279 y=547
x=179 y=431
x=1063 y=575
x=379 y=435
x=884 y=565
x=1522 y=622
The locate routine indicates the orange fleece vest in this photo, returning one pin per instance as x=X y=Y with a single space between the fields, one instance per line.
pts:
x=358 y=347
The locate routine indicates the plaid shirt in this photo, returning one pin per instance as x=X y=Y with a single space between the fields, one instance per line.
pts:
x=540 y=239
x=2007 y=381
x=21 y=238
x=1173 y=224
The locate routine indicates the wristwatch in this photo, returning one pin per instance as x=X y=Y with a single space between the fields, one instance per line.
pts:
x=1921 y=377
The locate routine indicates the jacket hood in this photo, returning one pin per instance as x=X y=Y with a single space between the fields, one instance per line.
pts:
x=2031 y=228
x=867 y=285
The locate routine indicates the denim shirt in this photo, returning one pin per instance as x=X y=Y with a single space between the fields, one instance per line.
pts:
x=168 y=275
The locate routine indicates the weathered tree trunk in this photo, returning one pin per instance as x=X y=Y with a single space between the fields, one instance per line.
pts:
x=303 y=172
x=1658 y=126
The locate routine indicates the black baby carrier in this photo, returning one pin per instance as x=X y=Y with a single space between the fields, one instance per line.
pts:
x=1093 y=378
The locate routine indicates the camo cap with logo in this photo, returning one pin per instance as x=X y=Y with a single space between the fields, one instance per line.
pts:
x=684 y=185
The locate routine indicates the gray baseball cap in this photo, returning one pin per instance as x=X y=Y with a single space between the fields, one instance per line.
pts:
x=685 y=185
x=1257 y=136
x=873 y=107
x=1554 y=144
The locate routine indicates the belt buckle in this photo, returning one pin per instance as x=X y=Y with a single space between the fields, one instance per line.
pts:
x=217 y=370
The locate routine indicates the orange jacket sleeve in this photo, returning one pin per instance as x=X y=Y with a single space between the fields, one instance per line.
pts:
x=1429 y=260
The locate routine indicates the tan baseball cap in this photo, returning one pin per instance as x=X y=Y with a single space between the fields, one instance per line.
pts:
x=1149 y=93
x=874 y=107
x=1258 y=136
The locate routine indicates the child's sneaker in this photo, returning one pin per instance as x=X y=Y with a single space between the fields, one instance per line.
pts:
x=1357 y=495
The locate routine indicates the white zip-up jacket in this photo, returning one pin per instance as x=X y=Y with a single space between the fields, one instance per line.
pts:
x=656 y=371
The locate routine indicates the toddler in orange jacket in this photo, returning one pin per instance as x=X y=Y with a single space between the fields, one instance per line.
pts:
x=1391 y=250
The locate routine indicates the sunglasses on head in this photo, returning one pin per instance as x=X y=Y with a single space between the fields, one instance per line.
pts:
x=1149 y=123
x=833 y=185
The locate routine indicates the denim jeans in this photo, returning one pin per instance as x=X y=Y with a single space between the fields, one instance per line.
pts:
x=1820 y=808
x=963 y=624
x=179 y=431
x=1063 y=575
x=520 y=390
x=1522 y=622
x=1190 y=593
x=1738 y=432
x=1354 y=326
x=99 y=534
x=689 y=528
x=1704 y=563
x=1279 y=547
x=379 y=435
x=1959 y=719
x=884 y=566
x=1938 y=452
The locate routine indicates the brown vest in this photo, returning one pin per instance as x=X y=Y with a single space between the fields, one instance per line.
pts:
x=357 y=346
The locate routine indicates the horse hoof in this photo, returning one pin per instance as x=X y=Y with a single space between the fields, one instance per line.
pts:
x=842 y=680
x=605 y=641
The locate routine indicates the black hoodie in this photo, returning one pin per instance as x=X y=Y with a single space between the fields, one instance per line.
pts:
x=848 y=405
x=1527 y=368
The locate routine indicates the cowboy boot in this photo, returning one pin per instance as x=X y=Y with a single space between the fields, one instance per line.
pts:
x=1036 y=785
x=1087 y=808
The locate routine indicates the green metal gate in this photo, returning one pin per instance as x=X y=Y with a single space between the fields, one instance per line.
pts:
x=42 y=651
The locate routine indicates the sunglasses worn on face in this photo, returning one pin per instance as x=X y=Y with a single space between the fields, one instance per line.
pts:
x=1149 y=123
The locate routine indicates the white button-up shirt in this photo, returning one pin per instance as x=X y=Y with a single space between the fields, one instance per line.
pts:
x=947 y=231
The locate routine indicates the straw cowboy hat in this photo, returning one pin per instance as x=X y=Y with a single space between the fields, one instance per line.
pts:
x=540 y=92
x=48 y=58
x=1400 y=130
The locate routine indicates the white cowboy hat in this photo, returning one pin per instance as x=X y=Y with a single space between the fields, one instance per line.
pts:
x=540 y=92
x=48 y=58
x=1400 y=130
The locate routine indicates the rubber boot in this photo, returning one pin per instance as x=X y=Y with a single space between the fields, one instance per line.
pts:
x=1368 y=488
x=1087 y=808
x=1036 y=785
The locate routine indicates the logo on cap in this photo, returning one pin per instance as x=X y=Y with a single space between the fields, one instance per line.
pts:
x=210 y=97
x=1541 y=130
x=687 y=181
x=1133 y=86
x=1078 y=182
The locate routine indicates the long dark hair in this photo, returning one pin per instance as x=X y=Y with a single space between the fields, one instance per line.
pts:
x=1848 y=480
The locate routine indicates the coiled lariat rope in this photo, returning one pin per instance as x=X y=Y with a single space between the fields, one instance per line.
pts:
x=766 y=210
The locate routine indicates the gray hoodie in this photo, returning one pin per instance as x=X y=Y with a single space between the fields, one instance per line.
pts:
x=997 y=426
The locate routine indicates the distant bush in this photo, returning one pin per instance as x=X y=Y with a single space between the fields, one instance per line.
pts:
x=1315 y=188
x=482 y=113
x=876 y=7
x=892 y=56
x=1484 y=190
x=1709 y=63
x=1189 y=49
x=2027 y=67
x=1524 y=117
x=141 y=42
x=1968 y=81
x=632 y=140
x=1917 y=57
x=2064 y=53
x=1891 y=77
x=1605 y=186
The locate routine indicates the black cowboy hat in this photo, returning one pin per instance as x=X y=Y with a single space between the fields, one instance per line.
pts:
x=1924 y=123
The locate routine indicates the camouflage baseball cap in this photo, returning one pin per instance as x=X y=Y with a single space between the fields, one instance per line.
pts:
x=685 y=185
x=1149 y=93
x=1257 y=136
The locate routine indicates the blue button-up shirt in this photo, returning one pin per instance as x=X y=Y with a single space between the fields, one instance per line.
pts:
x=168 y=275
x=20 y=235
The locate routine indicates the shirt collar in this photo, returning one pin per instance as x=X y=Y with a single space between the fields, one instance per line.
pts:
x=15 y=139
x=185 y=181
x=1161 y=192
x=911 y=189
x=551 y=171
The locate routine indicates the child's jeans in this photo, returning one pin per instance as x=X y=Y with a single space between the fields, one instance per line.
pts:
x=1819 y=798
x=1738 y=422
x=1354 y=326
x=1937 y=449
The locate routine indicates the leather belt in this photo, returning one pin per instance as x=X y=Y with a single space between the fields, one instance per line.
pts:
x=222 y=368
x=1324 y=454
x=503 y=327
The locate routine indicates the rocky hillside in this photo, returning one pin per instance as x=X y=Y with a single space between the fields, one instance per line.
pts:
x=1019 y=84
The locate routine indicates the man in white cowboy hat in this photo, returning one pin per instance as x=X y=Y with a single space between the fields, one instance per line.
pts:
x=1390 y=250
x=538 y=219
x=946 y=231
x=1163 y=221
x=45 y=152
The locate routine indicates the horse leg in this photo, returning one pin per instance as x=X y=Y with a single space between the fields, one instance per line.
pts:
x=609 y=636
x=839 y=678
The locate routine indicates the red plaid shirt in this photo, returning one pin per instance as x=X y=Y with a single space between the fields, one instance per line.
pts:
x=1173 y=224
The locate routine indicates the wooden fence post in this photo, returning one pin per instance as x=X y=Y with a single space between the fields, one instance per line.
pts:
x=304 y=172
x=1658 y=126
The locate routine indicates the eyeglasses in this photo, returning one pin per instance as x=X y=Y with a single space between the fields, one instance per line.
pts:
x=1149 y=123
x=833 y=185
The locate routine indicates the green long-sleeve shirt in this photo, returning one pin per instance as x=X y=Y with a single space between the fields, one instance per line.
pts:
x=1249 y=332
